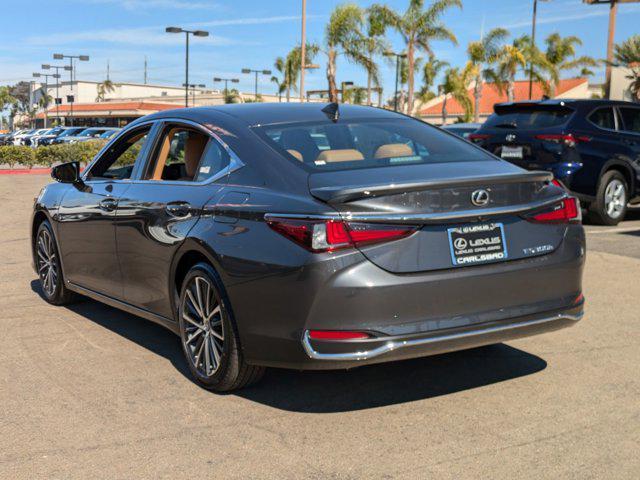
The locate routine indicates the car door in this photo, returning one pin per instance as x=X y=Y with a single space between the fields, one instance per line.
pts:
x=85 y=219
x=631 y=136
x=187 y=170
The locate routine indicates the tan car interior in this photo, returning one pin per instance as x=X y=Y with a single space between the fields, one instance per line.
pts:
x=301 y=146
x=194 y=147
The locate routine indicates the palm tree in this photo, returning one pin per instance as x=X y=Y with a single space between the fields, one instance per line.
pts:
x=103 y=89
x=430 y=72
x=627 y=54
x=343 y=36
x=281 y=66
x=376 y=44
x=419 y=27
x=510 y=59
x=560 y=56
x=455 y=85
x=481 y=55
x=282 y=86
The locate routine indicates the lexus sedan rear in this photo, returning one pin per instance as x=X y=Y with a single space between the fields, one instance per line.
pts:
x=310 y=237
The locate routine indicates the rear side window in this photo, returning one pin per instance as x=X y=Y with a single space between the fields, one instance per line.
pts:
x=529 y=117
x=604 y=118
x=631 y=119
x=349 y=145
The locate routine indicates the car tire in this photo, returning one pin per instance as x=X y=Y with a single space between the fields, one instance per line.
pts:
x=208 y=333
x=610 y=205
x=49 y=267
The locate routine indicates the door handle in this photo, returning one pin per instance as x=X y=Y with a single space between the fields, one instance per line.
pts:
x=178 y=209
x=108 y=204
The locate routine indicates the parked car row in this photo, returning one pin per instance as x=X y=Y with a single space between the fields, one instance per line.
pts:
x=50 y=136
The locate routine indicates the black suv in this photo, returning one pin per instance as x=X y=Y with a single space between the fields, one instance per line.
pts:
x=591 y=146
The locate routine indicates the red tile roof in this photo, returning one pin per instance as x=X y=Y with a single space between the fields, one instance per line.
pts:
x=142 y=108
x=491 y=96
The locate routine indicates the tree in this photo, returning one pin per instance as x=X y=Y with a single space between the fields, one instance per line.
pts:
x=232 y=96
x=430 y=71
x=482 y=54
x=103 y=89
x=343 y=36
x=455 y=85
x=282 y=86
x=561 y=56
x=6 y=100
x=510 y=59
x=419 y=26
x=627 y=55
x=376 y=44
x=289 y=68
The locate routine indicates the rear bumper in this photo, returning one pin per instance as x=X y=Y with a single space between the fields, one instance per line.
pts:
x=383 y=349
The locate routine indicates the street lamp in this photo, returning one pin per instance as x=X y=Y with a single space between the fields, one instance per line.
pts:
x=193 y=87
x=342 y=85
x=398 y=56
x=46 y=91
x=195 y=33
x=226 y=83
x=81 y=58
x=263 y=72
x=57 y=68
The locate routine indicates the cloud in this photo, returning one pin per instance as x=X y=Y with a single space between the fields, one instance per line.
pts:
x=593 y=12
x=135 y=5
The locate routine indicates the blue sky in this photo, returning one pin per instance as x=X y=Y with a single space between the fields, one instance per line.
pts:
x=249 y=33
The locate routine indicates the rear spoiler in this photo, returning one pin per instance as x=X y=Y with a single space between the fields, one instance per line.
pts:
x=345 y=193
x=500 y=108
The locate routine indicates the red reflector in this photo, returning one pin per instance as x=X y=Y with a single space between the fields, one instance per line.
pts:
x=568 y=139
x=579 y=298
x=336 y=335
x=566 y=211
x=477 y=137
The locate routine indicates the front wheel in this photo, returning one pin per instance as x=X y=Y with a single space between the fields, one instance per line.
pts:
x=208 y=333
x=610 y=205
x=49 y=267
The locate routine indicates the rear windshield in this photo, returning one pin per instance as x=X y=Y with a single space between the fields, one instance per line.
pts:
x=529 y=117
x=349 y=145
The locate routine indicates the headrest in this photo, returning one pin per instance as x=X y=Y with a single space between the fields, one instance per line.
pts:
x=296 y=154
x=345 y=155
x=392 y=150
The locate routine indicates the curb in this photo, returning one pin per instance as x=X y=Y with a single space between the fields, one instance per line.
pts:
x=24 y=171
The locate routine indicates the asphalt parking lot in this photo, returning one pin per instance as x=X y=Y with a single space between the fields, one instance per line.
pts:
x=91 y=392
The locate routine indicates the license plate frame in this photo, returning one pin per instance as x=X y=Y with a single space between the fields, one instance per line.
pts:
x=477 y=244
x=512 y=152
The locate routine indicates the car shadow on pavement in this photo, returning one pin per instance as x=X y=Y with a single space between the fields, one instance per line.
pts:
x=337 y=391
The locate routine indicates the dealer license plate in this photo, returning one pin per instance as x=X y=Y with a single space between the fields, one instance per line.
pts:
x=473 y=244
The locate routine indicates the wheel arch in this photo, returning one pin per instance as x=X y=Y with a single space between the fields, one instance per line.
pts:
x=624 y=168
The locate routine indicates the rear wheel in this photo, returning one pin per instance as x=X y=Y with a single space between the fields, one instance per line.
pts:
x=209 y=336
x=47 y=260
x=610 y=205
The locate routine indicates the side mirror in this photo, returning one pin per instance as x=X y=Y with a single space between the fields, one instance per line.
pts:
x=66 y=172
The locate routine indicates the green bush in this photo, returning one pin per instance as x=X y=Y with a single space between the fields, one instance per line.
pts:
x=82 y=152
x=17 y=154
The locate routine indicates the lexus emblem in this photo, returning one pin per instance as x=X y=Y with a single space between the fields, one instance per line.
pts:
x=511 y=137
x=460 y=244
x=480 y=198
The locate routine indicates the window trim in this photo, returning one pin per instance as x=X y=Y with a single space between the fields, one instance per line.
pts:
x=624 y=130
x=615 y=118
x=103 y=151
x=234 y=162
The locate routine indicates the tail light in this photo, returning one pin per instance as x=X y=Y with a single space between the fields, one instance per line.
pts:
x=329 y=235
x=477 y=137
x=567 y=211
x=569 y=139
x=337 y=335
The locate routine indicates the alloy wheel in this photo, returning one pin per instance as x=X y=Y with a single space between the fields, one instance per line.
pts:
x=47 y=262
x=203 y=336
x=615 y=198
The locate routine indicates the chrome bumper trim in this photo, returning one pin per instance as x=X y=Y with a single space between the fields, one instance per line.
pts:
x=395 y=345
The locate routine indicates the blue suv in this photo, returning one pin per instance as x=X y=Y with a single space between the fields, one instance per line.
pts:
x=591 y=146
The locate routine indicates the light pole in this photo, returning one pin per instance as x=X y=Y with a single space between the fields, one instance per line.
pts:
x=81 y=58
x=263 y=72
x=193 y=87
x=398 y=57
x=58 y=100
x=195 y=33
x=46 y=92
x=226 y=84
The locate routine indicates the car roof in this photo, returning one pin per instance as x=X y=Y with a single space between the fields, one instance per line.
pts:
x=453 y=126
x=567 y=101
x=254 y=114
